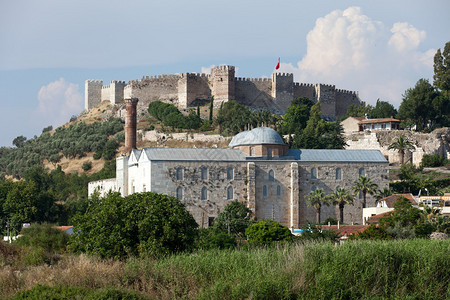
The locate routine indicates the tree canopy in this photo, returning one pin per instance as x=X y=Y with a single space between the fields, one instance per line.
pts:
x=319 y=134
x=382 y=109
x=139 y=224
x=297 y=115
x=442 y=70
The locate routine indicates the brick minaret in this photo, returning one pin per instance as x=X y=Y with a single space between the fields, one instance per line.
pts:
x=130 y=125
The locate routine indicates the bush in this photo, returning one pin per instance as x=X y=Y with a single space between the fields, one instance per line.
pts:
x=87 y=166
x=97 y=155
x=432 y=160
x=210 y=238
x=140 y=224
x=43 y=236
x=266 y=232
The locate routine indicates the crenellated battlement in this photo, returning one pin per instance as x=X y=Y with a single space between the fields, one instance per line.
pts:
x=299 y=84
x=346 y=92
x=283 y=75
x=326 y=85
x=91 y=81
x=274 y=93
x=251 y=79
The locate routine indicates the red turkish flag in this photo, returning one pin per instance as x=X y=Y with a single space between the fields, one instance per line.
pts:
x=278 y=64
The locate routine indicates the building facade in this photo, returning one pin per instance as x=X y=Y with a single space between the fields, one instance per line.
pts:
x=257 y=169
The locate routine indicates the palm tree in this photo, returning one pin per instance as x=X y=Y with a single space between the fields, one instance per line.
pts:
x=342 y=197
x=401 y=144
x=385 y=192
x=365 y=186
x=316 y=199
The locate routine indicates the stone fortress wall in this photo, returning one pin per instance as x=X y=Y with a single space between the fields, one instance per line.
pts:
x=275 y=93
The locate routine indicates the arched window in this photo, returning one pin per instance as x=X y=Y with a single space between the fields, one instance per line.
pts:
x=230 y=193
x=362 y=172
x=204 y=172
x=265 y=191
x=338 y=174
x=230 y=173
x=360 y=195
x=180 y=193
x=179 y=174
x=313 y=173
x=204 y=193
x=313 y=188
x=252 y=151
x=279 y=190
x=271 y=176
x=269 y=152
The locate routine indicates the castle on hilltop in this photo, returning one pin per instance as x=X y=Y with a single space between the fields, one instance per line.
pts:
x=275 y=93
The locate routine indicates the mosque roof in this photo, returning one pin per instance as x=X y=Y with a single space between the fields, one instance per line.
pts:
x=232 y=155
x=257 y=136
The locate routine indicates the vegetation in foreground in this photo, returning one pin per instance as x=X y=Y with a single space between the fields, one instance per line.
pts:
x=414 y=269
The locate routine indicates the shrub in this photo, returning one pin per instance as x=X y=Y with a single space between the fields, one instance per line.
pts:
x=432 y=160
x=97 y=155
x=140 y=224
x=265 y=232
x=210 y=238
x=87 y=166
x=43 y=236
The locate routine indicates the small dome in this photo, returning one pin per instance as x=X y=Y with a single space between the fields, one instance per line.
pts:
x=257 y=136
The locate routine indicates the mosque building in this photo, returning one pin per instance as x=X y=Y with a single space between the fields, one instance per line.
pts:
x=257 y=168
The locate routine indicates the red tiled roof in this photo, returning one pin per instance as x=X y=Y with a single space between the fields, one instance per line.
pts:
x=390 y=200
x=63 y=228
x=345 y=229
x=376 y=219
x=382 y=120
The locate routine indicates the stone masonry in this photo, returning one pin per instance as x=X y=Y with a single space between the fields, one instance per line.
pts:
x=275 y=93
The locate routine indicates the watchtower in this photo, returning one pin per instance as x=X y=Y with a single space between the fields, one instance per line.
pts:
x=223 y=84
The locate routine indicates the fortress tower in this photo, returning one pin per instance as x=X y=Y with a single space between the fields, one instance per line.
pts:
x=283 y=89
x=92 y=93
x=223 y=84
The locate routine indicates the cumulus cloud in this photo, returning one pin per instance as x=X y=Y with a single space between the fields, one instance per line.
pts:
x=354 y=52
x=58 y=101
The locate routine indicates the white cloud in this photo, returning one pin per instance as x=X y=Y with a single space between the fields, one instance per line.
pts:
x=207 y=70
x=354 y=52
x=58 y=101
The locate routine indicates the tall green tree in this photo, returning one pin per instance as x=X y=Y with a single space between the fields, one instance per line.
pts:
x=417 y=105
x=318 y=133
x=401 y=144
x=365 y=186
x=317 y=199
x=442 y=70
x=355 y=110
x=342 y=197
x=383 y=109
x=297 y=115
x=234 y=219
x=233 y=117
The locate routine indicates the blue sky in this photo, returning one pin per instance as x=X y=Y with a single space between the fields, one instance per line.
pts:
x=50 y=47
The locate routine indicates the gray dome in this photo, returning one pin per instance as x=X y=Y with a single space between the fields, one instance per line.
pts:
x=257 y=136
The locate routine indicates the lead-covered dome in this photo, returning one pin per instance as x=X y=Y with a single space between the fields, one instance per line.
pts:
x=257 y=136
